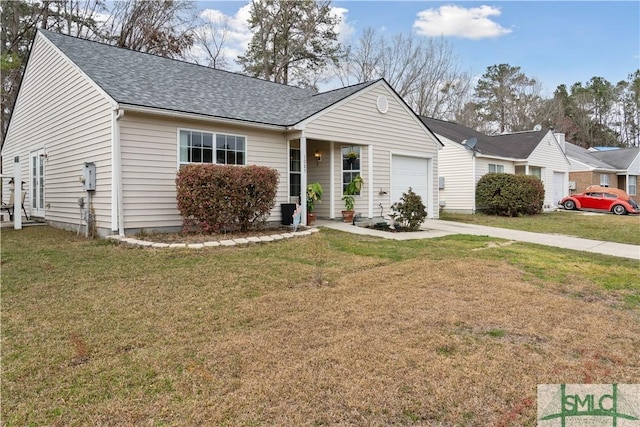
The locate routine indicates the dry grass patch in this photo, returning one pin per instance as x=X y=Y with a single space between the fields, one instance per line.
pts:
x=393 y=333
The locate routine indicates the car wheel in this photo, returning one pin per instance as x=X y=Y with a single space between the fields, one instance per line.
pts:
x=569 y=205
x=619 y=210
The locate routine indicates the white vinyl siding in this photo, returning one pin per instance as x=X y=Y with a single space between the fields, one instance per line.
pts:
x=358 y=122
x=455 y=164
x=60 y=111
x=150 y=163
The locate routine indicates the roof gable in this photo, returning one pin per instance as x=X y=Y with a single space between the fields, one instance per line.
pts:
x=145 y=80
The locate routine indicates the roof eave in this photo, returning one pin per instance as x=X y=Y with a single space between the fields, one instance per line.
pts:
x=196 y=116
x=498 y=157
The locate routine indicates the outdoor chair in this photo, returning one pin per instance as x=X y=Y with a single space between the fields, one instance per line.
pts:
x=10 y=207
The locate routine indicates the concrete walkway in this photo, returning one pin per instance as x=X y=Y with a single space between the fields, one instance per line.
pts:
x=437 y=228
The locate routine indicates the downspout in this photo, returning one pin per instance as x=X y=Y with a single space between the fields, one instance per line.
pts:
x=370 y=173
x=117 y=215
x=473 y=179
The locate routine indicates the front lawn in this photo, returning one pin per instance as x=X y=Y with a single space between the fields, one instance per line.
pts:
x=330 y=329
x=605 y=227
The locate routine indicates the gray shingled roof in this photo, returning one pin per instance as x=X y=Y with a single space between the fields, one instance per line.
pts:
x=141 y=79
x=513 y=145
x=584 y=156
x=621 y=158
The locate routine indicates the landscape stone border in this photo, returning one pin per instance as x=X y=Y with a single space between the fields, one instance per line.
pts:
x=215 y=243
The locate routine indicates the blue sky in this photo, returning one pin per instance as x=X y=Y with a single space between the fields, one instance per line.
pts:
x=554 y=41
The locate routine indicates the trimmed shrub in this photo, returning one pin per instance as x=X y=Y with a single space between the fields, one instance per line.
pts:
x=411 y=212
x=225 y=198
x=509 y=195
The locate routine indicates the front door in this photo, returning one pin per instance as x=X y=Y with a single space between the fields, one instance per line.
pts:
x=36 y=166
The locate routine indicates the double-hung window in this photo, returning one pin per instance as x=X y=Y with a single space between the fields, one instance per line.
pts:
x=536 y=171
x=633 y=182
x=496 y=168
x=207 y=147
x=350 y=165
x=604 y=180
x=295 y=169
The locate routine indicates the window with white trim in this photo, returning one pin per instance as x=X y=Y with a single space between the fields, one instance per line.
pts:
x=496 y=168
x=535 y=171
x=295 y=169
x=198 y=147
x=633 y=184
x=350 y=165
x=604 y=180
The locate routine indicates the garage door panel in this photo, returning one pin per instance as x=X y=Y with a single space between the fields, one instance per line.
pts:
x=409 y=172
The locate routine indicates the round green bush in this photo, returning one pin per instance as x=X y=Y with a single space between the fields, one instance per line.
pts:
x=509 y=195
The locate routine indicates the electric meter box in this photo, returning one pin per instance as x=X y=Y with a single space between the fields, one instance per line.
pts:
x=89 y=177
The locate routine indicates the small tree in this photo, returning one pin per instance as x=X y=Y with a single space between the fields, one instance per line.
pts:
x=293 y=41
x=411 y=211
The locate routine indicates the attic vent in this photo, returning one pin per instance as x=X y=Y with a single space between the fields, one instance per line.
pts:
x=382 y=104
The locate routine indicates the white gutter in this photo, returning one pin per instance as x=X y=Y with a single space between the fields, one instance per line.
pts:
x=509 y=159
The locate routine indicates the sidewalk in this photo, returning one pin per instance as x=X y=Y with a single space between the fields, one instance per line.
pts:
x=438 y=228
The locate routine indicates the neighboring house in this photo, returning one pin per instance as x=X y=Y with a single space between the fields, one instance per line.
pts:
x=139 y=117
x=467 y=155
x=606 y=166
x=587 y=170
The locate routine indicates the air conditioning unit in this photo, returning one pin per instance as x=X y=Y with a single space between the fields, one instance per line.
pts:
x=572 y=185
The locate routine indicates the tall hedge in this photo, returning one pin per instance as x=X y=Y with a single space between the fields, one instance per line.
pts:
x=509 y=195
x=225 y=198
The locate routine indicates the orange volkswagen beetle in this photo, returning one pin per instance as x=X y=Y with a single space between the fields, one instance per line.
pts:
x=602 y=199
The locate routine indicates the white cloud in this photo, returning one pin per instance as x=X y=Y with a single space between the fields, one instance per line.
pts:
x=451 y=20
x=344 y=29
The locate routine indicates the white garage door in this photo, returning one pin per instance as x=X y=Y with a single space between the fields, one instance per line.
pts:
x=409 y=172
x=559 y=192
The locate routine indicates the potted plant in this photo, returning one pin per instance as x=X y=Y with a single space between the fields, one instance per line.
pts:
x=352 y=189
x=347 y=214
x=351 y=157
x=314 y=194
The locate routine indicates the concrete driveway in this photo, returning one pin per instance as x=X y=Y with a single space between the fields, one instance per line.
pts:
x=437 y=228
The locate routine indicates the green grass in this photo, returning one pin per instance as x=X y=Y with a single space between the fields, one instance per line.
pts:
x=95 y=333
x=605 y=227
